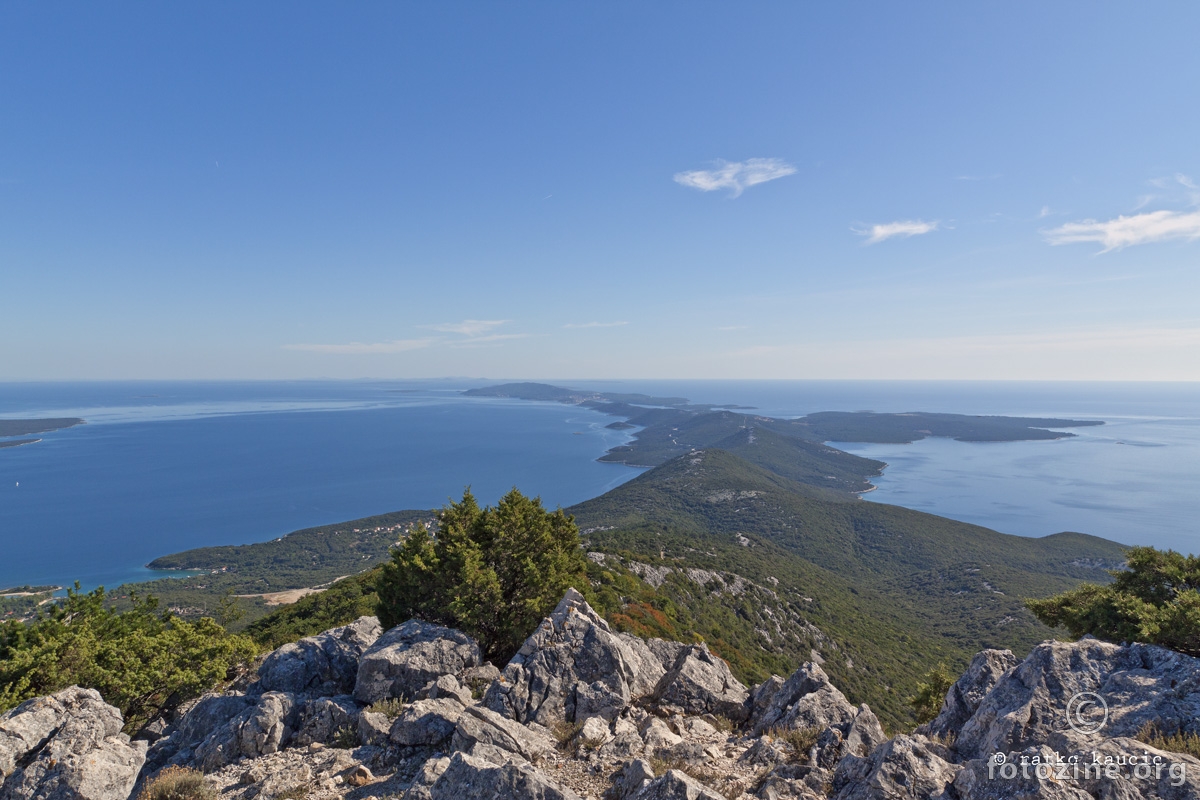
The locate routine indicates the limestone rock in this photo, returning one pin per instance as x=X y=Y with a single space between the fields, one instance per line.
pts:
x=807 y=699
x=905 y=768
x=406 y=658
x=321 y=665
x=484 y=726
x=676 y=785
x=67 y=746
x=1028 y=705
x=573 y=667
x=426 y=722
x=632 y=778
x=325 y=719
x=986 y=668
x=447 y=686
x=701 y=683
x=469 y=778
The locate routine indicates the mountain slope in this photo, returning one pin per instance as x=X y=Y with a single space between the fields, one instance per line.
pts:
x=892 y=591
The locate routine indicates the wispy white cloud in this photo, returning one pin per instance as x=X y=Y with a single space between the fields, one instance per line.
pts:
x=394 y=346
x=732 y=327
x=595 y=324
x=1125 y=231
x=491 y=340
x=890 y=230
x=1045 y=212
x=736 y=176
x=468 y=327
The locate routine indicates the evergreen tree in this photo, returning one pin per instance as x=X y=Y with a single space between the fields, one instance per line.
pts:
x=1155 y=599
x=491 y=572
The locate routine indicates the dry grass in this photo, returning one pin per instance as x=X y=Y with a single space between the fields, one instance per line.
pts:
x=1177 y=742
x=801 y=740
x=177 y=783
x=390 y=707
x=297 y=792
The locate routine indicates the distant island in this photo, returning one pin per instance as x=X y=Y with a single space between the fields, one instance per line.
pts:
x=26 y=427
x=671 y=426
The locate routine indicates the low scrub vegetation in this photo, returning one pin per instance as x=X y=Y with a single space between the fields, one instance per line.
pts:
x=177 y=783
x=142 y=660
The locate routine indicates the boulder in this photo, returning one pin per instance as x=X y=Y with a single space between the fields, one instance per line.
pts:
x=67 y=746
x=447 y=686
x=986 y=668
x=632 y=778
x=428 y=774
x=261 y=729
x=321 y=665
x=905 y=768
x=486 y=727
x=807 y=699
x=406 y=658
x=210 y=714
x=574 y=667
x=677 y=785
x=426 y=722
x=469 y=778
x=1028 y=706
x=701 y=683
x=373 y=728
x=326 y=720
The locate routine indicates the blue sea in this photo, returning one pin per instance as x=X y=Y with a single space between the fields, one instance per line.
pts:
x=165 y=466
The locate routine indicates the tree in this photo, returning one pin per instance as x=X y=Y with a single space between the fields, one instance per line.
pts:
x=931 y=694
x=1155 y=599
x=491 y=572
x=142 y=660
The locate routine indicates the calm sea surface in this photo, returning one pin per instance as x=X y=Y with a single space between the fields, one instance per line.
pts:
x=161 y=467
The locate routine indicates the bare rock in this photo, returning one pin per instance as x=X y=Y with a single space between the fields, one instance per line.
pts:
x=426 y=722
x=67 y=746
x=632 y=778
x=426 y=777
x=210 y=715
x=905 y=768
x=1028 y=706
x=485 y=726
x=658 y=735
x=964 y=697
x=321 y=665
x=676 y=785
x=807 y=699
x=447 y=686
x=573 y=667
x=469 y=778
x=373 y=728
x=406 y=658
x=326 y=719
x=359 y=776
x=701 y=683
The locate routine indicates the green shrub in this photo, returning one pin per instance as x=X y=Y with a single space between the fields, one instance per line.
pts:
x=493 y=573
x=390 y=707
x=177 y=783
x=1178 y=742
x=800 y=739
x=142 y=660
x=1155 y=599
x=346 y=738
x=931 y=694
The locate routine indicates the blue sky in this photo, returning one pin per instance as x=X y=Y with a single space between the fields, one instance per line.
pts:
x=568 y=190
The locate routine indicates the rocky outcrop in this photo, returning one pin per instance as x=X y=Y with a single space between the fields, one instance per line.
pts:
x=321 y=665
x=583 y=712
x=573 y=667
x=67 y=746
x=469 y=778
x=406 y=658
x=701 y=683
x=905 y=768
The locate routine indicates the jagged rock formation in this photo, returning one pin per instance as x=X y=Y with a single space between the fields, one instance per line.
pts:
x=67 y=746
x=585 y=712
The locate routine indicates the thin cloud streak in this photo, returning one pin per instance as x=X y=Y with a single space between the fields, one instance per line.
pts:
x=595 y=324
x=736 y=176
x=357 y=348
x=1126 y=231
x=902 y=228
x=468 y=327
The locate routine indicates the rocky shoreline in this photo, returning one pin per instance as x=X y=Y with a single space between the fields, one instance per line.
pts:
x=584 y=712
